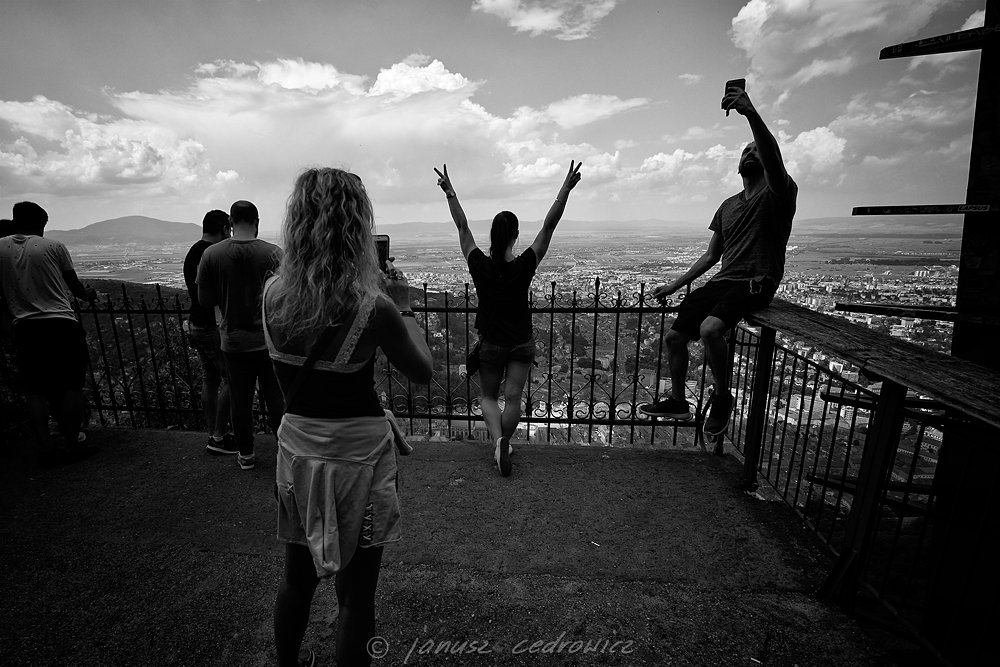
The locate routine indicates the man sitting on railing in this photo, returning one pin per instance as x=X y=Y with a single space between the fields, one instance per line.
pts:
x=751 y=230
x=35 y=275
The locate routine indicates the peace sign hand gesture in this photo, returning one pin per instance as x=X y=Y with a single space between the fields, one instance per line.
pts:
x=444 y=182
x=572 y=176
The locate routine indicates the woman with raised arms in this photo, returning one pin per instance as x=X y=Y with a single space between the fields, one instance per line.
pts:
x=503 y=317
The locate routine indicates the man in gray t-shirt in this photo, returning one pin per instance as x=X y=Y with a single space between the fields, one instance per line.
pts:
x=750 y=233
x=231 y=275
x=36 y=280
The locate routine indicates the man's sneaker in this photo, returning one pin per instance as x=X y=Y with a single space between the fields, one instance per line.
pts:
x=670 y=408
x=502 y=456
x=220 y=447
x=246 y=462
x=718 y=415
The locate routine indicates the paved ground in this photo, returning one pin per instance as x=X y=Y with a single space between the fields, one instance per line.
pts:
x=154 y=553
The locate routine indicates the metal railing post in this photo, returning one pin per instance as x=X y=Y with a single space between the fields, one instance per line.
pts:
x=762 y=371
x=841 y=584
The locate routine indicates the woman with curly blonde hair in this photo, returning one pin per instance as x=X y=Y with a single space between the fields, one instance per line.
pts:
x=336 y=469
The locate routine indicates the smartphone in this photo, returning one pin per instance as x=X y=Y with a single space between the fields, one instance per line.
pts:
x=382 y=250
x=737 y=83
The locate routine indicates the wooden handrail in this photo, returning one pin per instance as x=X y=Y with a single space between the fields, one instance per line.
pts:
x=961 y=385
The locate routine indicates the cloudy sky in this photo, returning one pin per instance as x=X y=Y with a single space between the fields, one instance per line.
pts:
x=169 y=108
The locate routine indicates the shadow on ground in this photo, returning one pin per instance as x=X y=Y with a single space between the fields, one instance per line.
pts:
x=155 y=553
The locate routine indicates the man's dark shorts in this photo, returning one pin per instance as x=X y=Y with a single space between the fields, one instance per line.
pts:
x=497 y=356
x=51 y=355
x=207 y=343
x=728 y=300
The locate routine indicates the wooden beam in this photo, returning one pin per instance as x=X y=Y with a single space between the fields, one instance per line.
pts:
x=926 y=209
x=964 y=40
x=971 y=389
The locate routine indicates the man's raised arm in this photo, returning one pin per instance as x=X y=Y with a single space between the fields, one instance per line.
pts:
x=767 y=146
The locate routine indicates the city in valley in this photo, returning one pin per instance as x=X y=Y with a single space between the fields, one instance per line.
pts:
x=909 y=260
x=598 y=338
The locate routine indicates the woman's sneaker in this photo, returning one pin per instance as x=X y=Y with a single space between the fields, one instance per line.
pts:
x=246 y=462
x=502 y=456
x=669 y=408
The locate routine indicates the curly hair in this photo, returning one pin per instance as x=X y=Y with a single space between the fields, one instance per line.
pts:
x=329 y=263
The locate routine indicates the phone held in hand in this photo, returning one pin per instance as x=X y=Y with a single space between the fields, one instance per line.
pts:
x=382 y=249
x=733 y=83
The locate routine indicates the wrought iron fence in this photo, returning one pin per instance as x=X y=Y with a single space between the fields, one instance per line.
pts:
x=858 y=464
x=599 y=356
x=855 y=460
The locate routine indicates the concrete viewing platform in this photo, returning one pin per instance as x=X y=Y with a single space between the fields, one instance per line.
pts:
x=154 y=553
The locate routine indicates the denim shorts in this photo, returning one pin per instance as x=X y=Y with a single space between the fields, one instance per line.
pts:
x=497 y=356
x=207 y=343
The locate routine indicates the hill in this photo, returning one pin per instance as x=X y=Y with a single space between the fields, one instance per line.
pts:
x=130 y=230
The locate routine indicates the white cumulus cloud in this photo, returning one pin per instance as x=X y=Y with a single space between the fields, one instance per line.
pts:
x=584 y=109
x=301 y=75
x=417 y=74
x=564 y=19
x=243 y=130
x=792 y=42
x=816 y=151
x=62 y=149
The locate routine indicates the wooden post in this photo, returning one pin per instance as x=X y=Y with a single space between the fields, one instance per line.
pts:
x=961 y=604
x=979 y=271
x=757 y=419
x=880 y=451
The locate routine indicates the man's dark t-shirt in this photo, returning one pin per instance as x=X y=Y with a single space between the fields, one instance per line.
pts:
x=200 y=316
x=755 y=233
x=235 y=270
x=503 y=316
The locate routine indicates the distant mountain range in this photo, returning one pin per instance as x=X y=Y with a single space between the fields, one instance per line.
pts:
x=144 y=231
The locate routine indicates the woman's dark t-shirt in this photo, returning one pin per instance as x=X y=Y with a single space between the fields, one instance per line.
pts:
x=503 y=316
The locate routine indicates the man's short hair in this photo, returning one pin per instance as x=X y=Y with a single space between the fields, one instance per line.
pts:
x=243 y=211
x=214 y=222
x=29 y=217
